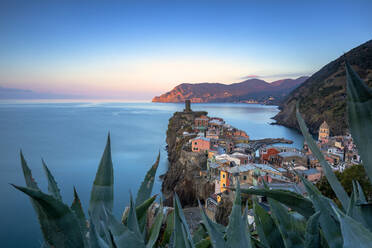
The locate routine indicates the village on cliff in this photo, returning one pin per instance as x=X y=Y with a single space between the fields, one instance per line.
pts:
x=232 y=156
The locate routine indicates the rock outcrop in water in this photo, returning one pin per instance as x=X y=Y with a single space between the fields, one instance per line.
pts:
x=183 y=175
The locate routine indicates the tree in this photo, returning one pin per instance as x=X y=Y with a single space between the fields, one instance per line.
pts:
x=355 y=172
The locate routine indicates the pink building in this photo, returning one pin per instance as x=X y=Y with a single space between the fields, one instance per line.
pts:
x=200 y=144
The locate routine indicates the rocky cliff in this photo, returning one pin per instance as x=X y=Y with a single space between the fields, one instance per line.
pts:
x=323 y=95
x=183 y=175
x=252 y=89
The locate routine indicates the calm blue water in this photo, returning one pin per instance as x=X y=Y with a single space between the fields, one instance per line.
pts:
x=71 y=138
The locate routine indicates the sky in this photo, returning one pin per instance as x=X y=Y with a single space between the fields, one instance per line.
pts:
x=138 y=49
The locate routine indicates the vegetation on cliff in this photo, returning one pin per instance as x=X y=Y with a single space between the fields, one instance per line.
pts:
x=323 y=96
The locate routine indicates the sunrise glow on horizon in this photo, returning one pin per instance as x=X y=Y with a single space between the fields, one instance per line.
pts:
x=136 y=50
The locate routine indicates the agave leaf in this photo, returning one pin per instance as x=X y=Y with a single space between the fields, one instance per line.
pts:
x=353 y=232
x=48 y=229
x=287 y=225
x=155 y=229
x=144 y=192
x=327 y=219
x=30 y=181
x=236 y=232
x=78 y=210
x=267 y=230
x=204 y=243
x=141 y=212
x=122 y=235
x=168 y=229
x=312 y=236
x=257 y=243
x=132 y=222
x=199 y=234
x=95 y=241
x=292 y=200
x=102 y=190
x=68 y=233
x=331 y=177
x=361 y=197
x=52 y=184
x=357 y=207
x=181 y=231
x=359 y=108
x=215 y=234
x=350 y=208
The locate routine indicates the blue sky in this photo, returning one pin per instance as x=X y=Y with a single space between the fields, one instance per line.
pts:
x=138 y=49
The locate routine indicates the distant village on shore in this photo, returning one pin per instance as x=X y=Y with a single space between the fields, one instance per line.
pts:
x=232 y=156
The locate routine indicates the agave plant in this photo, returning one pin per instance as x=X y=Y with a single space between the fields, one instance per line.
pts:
x=64 y=226
x=294 y=221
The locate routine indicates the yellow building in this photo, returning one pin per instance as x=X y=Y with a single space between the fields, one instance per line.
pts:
x=323 y=133
x=224 y=180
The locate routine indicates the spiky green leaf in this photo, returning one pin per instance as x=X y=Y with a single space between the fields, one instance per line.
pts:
x=181 y=231
x=122 y=236
x=287 y=225
x=67 y=231
x=48 y=229
x=236 y=232
x=266 y=228
x=141 y=212
x=292 y=200
x=132 y=222
x=353 y=233
x=327 y=219
x=52 y=184
x=155 y=229
x=216 y=236
x=331 y=177
x=359 y=108
x=78 y=210
x=144 y=192
x=312 y=236
x=102 y=195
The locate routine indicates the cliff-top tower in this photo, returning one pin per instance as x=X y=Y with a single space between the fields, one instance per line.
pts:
x=187 y=106
x=323 y=133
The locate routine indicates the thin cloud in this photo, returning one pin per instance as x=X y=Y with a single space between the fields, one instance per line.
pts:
x=250 y=77
x=281 y=75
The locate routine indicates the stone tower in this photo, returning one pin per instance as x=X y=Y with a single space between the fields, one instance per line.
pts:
x=187 y=106
x=323 y=133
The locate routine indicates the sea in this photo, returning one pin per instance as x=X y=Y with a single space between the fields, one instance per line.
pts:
x=71 y=135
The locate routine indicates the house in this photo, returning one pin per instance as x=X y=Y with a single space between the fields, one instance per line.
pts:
x=285 y=159
x=240 y=133
x=227 y=159
x=267 y=152
x=201 y=123
x=212 y=134
x=200 y=144
x=244 y=158
x=229 y=176
x=323 y=136
x=313 y=175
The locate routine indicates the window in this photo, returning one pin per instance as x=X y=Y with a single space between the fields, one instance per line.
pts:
x=223 y=176
x=195 y=143
x=224 y=185
x=244 y=177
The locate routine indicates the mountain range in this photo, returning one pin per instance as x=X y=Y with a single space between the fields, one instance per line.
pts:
x=254 y=90
x=323 y=95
